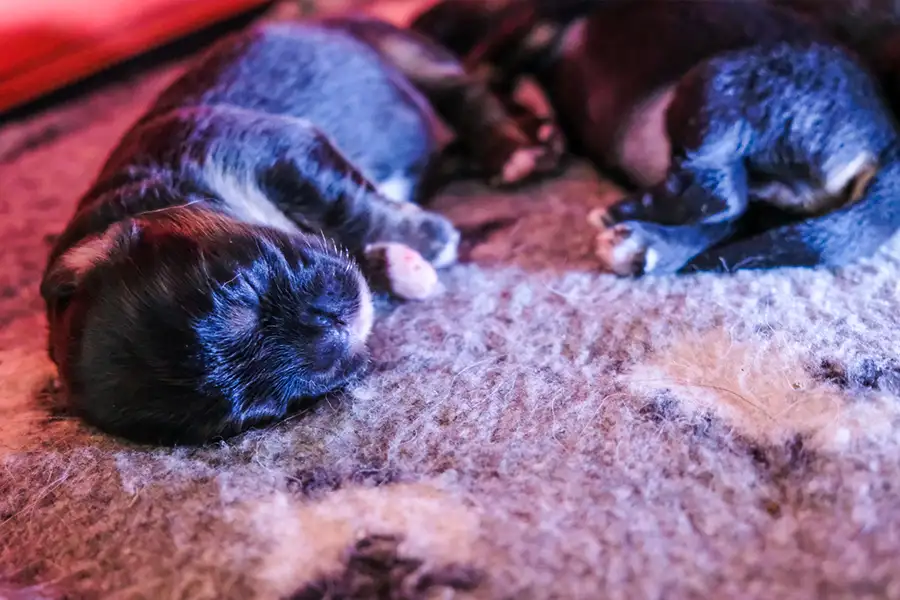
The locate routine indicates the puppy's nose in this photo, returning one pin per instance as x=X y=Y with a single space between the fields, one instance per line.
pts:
x=330 y=349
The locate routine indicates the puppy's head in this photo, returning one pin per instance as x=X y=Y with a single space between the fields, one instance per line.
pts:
x=181 y=326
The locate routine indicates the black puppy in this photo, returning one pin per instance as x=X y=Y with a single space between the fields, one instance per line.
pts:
x=210 y=279
x=801 y=127
x=727 y=112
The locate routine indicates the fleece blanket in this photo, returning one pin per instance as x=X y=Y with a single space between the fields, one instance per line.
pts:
x=539 y=430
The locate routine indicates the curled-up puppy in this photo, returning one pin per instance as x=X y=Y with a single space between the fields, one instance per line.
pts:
x=801 y=127
x=214 y=277
x=680 y=100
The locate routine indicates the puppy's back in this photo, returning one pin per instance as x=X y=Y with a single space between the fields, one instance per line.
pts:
x=319 y=73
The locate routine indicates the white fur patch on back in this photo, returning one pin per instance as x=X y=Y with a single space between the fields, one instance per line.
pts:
x=398 y=187
x=840 y=183
x=243 y=198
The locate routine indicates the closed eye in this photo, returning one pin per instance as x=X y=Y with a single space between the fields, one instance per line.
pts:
x=324 y=319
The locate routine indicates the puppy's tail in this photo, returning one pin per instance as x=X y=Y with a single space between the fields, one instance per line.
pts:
x=855 y=231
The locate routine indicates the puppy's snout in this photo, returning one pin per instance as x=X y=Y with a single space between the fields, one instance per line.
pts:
x=330 y=349
x=342 y=338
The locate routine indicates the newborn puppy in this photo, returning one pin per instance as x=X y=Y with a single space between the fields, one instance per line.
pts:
x=801 y=127
x=666 y=94
x=213 y=278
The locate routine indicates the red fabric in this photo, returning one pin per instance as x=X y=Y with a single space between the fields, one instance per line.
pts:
x=45 y=44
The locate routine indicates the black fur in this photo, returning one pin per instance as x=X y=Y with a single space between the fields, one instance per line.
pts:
x=606 y=65
x=210 y=280
x=775 y=124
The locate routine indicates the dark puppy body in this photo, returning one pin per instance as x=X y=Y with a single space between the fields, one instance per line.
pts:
x=210 y=279
x=606 y=65
x=800 y=127
x=636 y=88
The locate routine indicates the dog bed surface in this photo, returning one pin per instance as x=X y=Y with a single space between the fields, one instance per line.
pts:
x=540 y=430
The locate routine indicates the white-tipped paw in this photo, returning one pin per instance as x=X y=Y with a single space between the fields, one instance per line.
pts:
x=406 y=274
x=623 y=250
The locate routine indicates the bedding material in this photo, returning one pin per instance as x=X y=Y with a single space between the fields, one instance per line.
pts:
x=538 y=430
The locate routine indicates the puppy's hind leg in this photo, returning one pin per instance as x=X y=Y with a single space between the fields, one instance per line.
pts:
x=835 y=239
x=503 y=149
x=658 y=231
x=707 y=181
x=690 y=194
x=636 y=248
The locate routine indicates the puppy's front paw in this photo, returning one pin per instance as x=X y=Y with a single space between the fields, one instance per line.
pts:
x=624 y=250
x=401 y=270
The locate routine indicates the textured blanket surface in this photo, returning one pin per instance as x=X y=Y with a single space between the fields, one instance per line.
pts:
x=539 y=430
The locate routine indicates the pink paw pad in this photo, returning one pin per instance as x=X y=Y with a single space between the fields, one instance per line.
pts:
x=406 y=273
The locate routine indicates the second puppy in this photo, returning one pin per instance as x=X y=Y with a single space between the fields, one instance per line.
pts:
x=761 y=142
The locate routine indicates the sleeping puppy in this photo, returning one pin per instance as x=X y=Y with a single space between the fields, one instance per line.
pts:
x=810 y=135
x=214 y=276
x=755 y=141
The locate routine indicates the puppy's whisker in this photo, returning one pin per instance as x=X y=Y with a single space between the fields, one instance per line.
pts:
x=173 y=208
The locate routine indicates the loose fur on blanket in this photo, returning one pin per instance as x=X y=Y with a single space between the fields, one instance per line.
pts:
x=538 y=430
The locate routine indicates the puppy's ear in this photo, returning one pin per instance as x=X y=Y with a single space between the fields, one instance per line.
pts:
x=66 y=274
